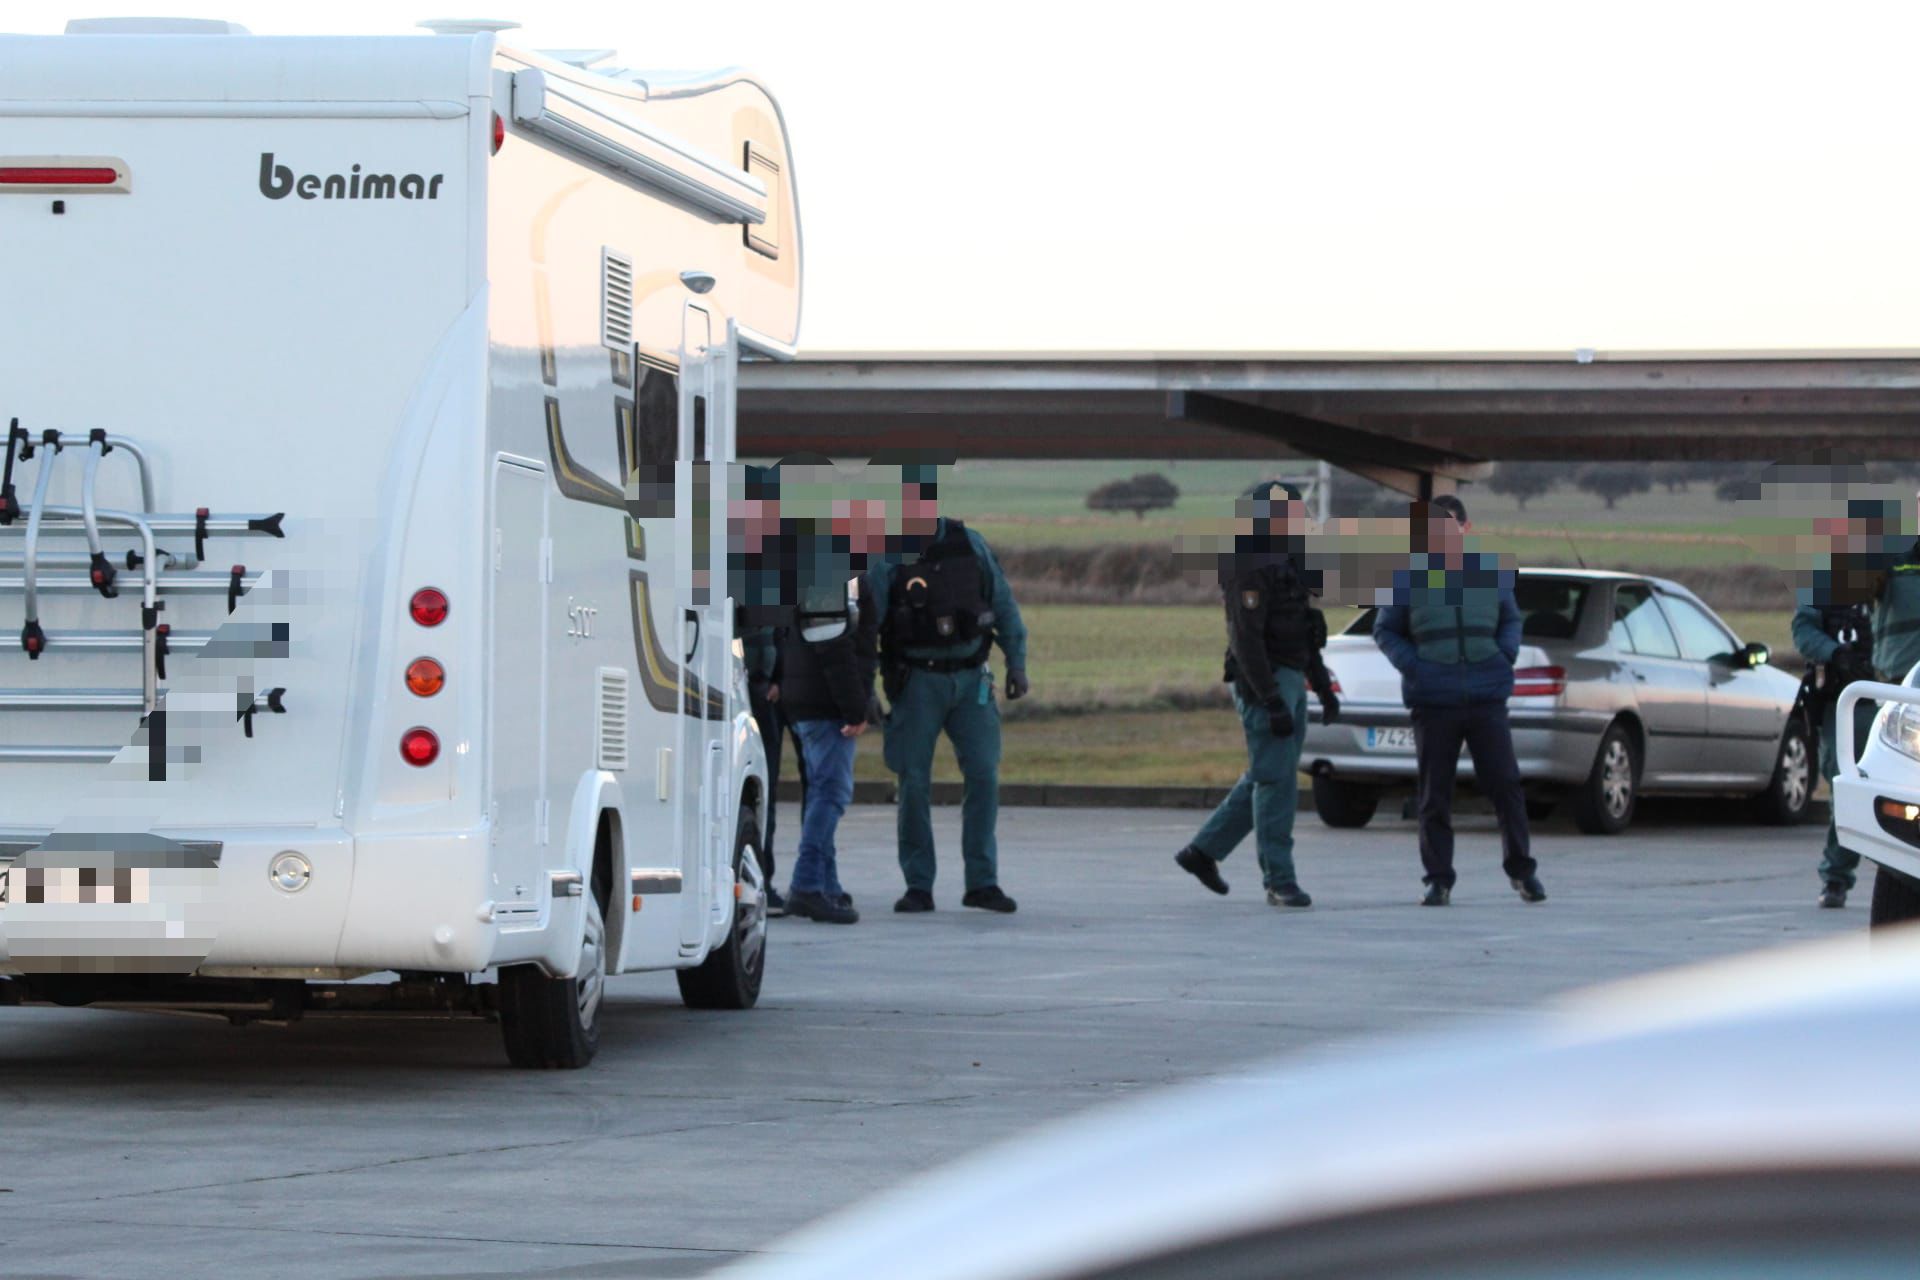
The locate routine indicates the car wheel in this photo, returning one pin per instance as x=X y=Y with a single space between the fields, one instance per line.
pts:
x=1344 y=804
x=1790 y=794
x=729 y=978
x=555 y=1022
x=1896 y=899
x=1603 y=804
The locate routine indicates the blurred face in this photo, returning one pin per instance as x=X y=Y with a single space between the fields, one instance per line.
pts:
x=863 y=523
x=919 y=516
x=759 y=523
x=1445 y=535
x=1288 y=519
x=1846 y=535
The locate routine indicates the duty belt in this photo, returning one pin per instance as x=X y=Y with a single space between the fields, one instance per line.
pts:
x=945 y=666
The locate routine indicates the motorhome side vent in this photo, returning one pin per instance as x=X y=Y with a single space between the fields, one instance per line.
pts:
x=616 y=300
x=610 y=719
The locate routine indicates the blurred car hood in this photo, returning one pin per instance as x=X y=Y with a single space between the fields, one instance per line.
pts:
x=1720 y=1068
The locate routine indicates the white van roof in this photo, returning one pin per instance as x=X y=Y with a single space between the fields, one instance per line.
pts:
x=437 y=72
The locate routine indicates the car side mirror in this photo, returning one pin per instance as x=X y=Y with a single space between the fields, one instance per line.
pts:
x=1746 y=657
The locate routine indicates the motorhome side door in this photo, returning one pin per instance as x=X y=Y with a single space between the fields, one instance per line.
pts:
x=517 y=688
x=704 y=629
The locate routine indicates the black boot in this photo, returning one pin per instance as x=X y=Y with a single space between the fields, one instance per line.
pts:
x=1834 y=896
x=1438 y=895
x=818 y=906
x=914 y=901
x=1288 y=895
x=990 y=899
x=1530 y=889
x=1201 y=868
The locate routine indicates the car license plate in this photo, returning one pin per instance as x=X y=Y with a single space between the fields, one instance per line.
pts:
x=1389 y=739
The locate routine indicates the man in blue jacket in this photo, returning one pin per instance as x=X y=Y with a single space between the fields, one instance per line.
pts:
x=1453 y=633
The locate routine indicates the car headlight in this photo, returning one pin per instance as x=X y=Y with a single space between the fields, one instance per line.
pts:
x=1900 y=729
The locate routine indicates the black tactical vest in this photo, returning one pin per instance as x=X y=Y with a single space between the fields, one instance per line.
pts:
x=942 y=599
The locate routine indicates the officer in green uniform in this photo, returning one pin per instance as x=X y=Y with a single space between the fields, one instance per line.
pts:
x=941 y=612
x=1274 y=638
x=1858 y=619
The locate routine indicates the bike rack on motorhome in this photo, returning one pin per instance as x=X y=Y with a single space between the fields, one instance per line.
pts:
x=440 y=338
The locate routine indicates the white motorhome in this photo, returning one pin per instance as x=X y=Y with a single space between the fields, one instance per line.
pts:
x=365 y=538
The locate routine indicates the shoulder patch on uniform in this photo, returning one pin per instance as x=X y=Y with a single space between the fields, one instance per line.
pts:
x=1250 y=599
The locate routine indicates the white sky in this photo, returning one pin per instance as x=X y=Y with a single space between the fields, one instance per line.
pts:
x=1305 y=177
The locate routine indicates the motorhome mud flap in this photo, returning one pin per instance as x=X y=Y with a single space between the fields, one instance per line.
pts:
x=109 y=902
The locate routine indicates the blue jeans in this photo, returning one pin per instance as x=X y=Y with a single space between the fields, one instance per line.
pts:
x=828 y=756
x=1268 y=793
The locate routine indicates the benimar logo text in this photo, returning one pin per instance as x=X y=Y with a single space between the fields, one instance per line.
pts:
x=277 y=182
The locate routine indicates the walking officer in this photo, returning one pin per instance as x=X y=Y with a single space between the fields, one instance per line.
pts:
x=1858 y=619
x=941 y=612
x=1274 y=639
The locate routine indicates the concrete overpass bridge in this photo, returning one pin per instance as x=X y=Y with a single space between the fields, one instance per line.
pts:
x=1419 y=424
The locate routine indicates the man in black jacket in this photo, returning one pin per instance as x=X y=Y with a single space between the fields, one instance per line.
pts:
x=1274 y=637
x=827 y=661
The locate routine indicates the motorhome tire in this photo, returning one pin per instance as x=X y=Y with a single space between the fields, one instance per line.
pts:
x=555 y=1022
x=729 y=978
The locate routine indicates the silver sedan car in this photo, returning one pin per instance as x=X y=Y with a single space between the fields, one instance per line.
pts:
x=1625 y=684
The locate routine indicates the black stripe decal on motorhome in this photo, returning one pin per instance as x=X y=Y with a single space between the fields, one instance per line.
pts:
x=660 y=675
x=576 y=481
x=661 y=678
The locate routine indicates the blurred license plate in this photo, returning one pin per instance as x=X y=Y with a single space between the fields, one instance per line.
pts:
x=1389 y=739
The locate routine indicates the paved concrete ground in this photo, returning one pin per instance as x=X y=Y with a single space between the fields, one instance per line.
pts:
x=137 y=1145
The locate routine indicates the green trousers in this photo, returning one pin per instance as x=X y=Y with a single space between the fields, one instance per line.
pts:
x=1268 y=794
x=960 y=704
x=1838 y=865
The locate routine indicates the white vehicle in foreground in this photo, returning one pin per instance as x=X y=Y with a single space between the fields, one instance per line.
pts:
x=1876 y=801
x=1658 y=1128
x=390 y=384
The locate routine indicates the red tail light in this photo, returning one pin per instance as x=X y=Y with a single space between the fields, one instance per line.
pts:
x=429 y=606
x=419 y=747
x=1539 y=682
x=499 y=132
x=57 y=176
